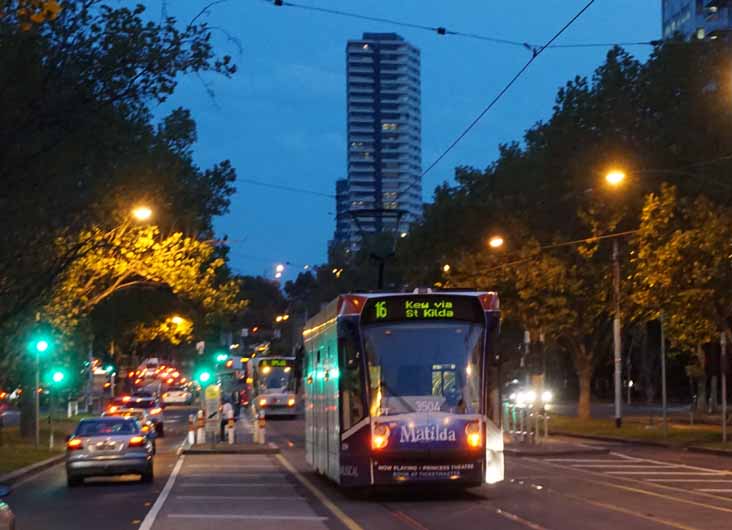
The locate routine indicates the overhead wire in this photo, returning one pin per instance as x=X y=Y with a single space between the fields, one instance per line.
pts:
x=504 y=90
x=444 y=31
x=283 y=187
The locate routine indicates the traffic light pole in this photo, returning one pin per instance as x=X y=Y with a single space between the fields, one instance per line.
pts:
x=37 y=403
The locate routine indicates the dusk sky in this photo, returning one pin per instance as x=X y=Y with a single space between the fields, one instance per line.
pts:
x=281 y=118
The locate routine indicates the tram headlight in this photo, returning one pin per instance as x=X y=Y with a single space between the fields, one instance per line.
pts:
x=291 y=402
x=547 y=396
x=473 y=434
x=380 y=436
x=530 y=396
x=262 y=402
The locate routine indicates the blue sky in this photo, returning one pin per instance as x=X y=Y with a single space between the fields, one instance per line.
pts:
x=281 y=118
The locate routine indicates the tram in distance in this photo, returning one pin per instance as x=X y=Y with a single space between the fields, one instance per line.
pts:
x=397 y=389
x=274 y=386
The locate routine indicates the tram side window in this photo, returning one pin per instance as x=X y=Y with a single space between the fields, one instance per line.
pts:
x=352 y=382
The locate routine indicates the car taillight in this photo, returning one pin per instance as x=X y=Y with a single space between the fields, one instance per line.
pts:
x=380 y=436
x=112 y=409
x=136 y=441
x=474 y=435
x=156 y=410
x=74 y=444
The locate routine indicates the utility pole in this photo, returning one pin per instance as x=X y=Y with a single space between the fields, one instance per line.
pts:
x=617 y=345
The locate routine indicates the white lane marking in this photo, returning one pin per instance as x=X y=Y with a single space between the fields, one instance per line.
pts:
x=237 y=475
x=716 y=490
x=233 y=484
x=685 y=466
x=344 y=518
x=247 y=517
x=716 y=480
x=693 y=473
x=516 y=519
x=149 y=520
x=232 y=467
x=624 y=466
x=241 y=497
x=595 y=460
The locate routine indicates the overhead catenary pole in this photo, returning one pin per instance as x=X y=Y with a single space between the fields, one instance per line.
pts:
x=617 y=345
x=37 y=402
x=664 y=410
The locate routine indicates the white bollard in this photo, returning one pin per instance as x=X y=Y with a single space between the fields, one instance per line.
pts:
x=191 y=429
x=230 y=431
x=201 y=428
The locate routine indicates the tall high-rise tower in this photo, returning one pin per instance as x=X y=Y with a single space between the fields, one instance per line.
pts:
x=384 y=136
x=697 y=19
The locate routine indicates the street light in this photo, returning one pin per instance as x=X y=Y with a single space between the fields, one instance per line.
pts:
x=615 y=177
x=495 y=242
x=446 y=268
x=280 y=268
x=142 y=213
x=177 y=320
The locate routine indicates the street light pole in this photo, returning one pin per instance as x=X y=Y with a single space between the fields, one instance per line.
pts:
x=617 y=345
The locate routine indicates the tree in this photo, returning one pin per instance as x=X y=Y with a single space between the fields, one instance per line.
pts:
x=77 y=140
x=681 y=268
x=140 y=257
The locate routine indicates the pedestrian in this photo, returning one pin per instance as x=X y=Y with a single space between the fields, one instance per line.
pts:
x=227 y=413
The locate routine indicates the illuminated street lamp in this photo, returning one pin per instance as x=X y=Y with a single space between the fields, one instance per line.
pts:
x=280 y=268
x=446 y=268
x=142 y=213
x=615 y=177
x=495 y=242
x=177 y=320
x=278 y=275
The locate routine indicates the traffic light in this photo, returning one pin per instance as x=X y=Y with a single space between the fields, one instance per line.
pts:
x=39 y=345
x=204 y=376
x=221 y=357
x=57 y=377
x=109 y=368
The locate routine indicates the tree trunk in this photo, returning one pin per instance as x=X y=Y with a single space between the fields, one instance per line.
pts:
x=585 y=395
x=701 y=394
x=27 y=404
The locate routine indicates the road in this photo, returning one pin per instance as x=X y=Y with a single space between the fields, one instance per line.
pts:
x=634 y=488
x=45 y=503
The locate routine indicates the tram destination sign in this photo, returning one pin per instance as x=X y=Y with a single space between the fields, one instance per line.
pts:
x=422 y=307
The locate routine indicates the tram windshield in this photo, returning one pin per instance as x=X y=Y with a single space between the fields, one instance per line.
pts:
x=424 y=366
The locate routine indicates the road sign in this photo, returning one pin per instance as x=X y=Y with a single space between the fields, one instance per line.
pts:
x=212 y=395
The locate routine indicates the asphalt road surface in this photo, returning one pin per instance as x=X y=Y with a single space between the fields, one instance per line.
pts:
x=629 y=488
x=116 y=503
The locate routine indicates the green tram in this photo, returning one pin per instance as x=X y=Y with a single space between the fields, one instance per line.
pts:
x=397 y=389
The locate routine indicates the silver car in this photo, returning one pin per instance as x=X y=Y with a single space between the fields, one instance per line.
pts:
x=106 y=446
x=7 y=519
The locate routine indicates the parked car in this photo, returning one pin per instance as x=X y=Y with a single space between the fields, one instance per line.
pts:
x=177 y=395
x=107 y=446
x=7 y=519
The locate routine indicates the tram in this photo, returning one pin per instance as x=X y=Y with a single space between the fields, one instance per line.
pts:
x=274 y=386
x=397 y=389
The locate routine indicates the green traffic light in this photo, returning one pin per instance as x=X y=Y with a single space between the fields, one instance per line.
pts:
x=221 y=357
x=41 y=345
x=109 y=368
x=204 y=377
x=57 y=377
